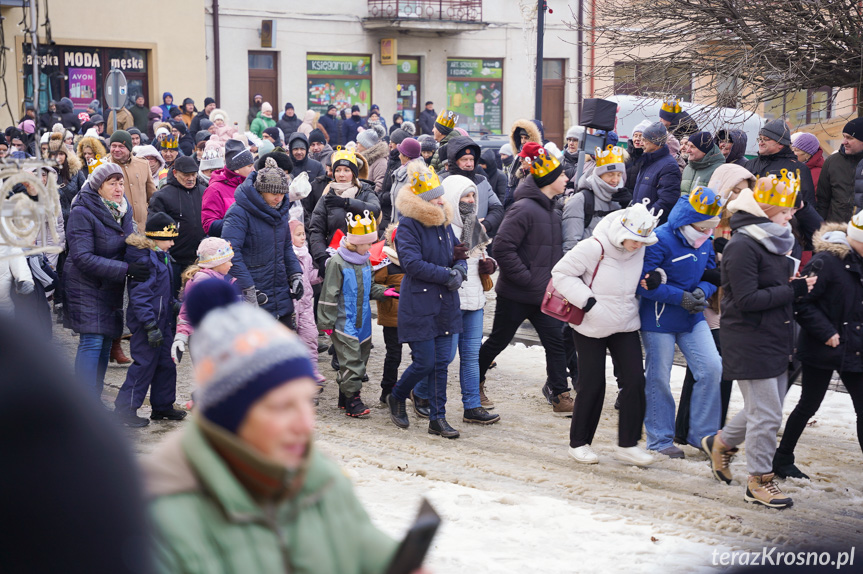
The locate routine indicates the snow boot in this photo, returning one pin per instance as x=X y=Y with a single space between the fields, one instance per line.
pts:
x=761 y=489
x=422 y=407
x=480 y=416
x=171 y=414
x=562 y=404
x=398 y=412
x=441 y=427
x=117 y=355
x=486 y=402
x=131 y=419
x=356 y=408
x=720 y=457
x=784 y=467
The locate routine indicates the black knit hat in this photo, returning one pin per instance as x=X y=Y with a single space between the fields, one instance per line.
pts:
x=283 y=160
x=237 y=156
x=317 y=136
x=208 y=100
x=160 y=225
x=398 y=136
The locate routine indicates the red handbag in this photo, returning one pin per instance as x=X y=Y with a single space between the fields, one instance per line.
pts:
x=555 y=305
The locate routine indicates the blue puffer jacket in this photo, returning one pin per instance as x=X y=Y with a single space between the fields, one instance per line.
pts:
x=658 y=181
x=425 y=241
x=683 y=265
x=263 y=253
x=152 y=300
x=94 y=274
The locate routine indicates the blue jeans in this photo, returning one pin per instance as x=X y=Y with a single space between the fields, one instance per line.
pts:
x=429 y=358
x=91 y=361
x=468 y=344
x=706 y=366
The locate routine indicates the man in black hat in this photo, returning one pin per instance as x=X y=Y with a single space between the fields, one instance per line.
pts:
x=299 y=147
x=835 y=193
x=351 y=126
x=209 y=106
x=289 y=122
x=331 y=126
x=181 y=198
x=273 y=136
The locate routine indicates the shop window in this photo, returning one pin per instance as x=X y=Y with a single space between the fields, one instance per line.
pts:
x=475 y=92
x=339 y=80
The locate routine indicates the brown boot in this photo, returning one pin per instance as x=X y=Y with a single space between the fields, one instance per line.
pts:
x=761 y=489
x=720 y=457
x=484 y=400
x=117 y=355
x=562 y=405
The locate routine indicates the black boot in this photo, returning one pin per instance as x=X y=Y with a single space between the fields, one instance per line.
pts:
x=480 y=416
x=342 y=401
x=356 y=408
x=442 y=428
x=130 y=419
x=784 y=467
x=171 y=414
x=386 y=389
x=422 y=407
x=398 y=412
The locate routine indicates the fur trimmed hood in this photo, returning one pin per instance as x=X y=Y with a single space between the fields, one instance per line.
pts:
x=93 y=144
x=362 y=166
x=410 y=205
x=376 y=152
x=140 y=241
x=840 y=250
x=531 y=129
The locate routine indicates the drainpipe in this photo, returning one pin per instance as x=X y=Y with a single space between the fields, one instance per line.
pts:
x=579 y=61
x=592 y=45
x=217 y=60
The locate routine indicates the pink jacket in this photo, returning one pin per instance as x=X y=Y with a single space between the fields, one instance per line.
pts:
x=310 y=277
x=218 y=197
x=183 y=324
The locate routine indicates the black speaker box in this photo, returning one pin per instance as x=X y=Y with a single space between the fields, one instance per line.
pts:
x=598 y=114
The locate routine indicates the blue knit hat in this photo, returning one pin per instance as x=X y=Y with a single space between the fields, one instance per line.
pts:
x=241 y=353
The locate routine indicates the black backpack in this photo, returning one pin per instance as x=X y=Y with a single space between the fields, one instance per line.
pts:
x=590 y=206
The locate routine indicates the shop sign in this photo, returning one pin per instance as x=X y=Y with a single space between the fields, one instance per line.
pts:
x=474 y=68
x=325 y=65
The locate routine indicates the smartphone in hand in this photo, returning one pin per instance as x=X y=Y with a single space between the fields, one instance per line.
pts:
x=413 y=549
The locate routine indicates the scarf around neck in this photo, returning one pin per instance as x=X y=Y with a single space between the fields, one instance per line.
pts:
x=472 y=233
x=347 y=190
x=775 y=238
x=302 y=250
x=601 y=190
x=352 y=257
x=117 y=210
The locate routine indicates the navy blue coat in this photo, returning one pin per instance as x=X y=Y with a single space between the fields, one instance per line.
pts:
x=150 y=301
x=263 y=252
x=658 y=181
x=95 y=272
x=350 y=128
x=329 y=123
x=427 y=309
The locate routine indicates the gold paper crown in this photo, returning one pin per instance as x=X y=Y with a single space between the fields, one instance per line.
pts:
x=361 y=224
x=700 y=202
x=344 y=154
x=778 y=191
x=672 y=106
x=858 y=216
x=169 y=231
x=612 y=154
x=423 y=182
x=96 y=162
x=648 y=223
x=544 y=164
x=447 y=119
x=169 y=142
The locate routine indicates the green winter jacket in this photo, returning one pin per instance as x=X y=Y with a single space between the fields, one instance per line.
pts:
x=437 y=159
x=260 y=123
x=344 y=302
x=700 y=170
x=206 y=522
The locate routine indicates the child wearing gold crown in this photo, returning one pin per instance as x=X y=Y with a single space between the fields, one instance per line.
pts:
x=150 y=317
x=344 y=309
x=757 y=332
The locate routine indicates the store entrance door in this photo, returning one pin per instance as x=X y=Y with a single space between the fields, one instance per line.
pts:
x=553 y=84
x=264 y=78
x=408 y=89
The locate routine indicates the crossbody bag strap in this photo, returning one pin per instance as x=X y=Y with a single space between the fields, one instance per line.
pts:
x=601 y=257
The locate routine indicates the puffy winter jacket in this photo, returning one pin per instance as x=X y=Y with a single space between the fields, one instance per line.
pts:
x=699 y=172
x=95 y=272
x=13 y=270
x=289 y=125
x=426 y=121
x=683 y=265
x=488 y=206
x=326 y=221
x=350 y=129
x=218 y=197
x=69 y=118
x=306 y=303
x=574 y=228
x=345 y=305
x=658 y=181
x=815 y=164
x=377 y=156
x=528 y=245
x=329 y=124
x=263 y=253
x=261 y=123
x=183 y=324
x=150 y=301
x=836 y=186
x=184 y=206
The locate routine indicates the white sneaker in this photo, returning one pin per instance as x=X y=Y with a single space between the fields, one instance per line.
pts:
x=634 y=455
x=584 y=454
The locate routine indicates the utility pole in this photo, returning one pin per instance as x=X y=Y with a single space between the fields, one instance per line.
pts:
x=540 y=30
x=34 y=51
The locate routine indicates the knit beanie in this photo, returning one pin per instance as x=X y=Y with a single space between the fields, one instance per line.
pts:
x=202 y=136
x=703 y=141
x=576 y=132
x=266 y=107
x=355 y=109
x=427 y=143
x=398 y=136
x=123 y=137
x=205 y=124
x=274 y=133
x=410 y=148
x=208 y=100
x=282 y=160
x=806 y=142
x=641 y=126
x=213 y=251
x=777 y=130
x=317 y=136
x=272 y=179
x=101 y=173
x=505 y=149
x=855 y=226
x=241 y=353
x=212 y=159
x=655 y=133
x=237 y=156
x=854 y=128
x=294 y=223
x=368 y=138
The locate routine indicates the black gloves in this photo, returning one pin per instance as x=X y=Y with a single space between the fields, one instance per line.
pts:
x=713 y=276
x=296 y=281
x=331 y=200
x=719 y=244
x=455 y=279
x=486 y=266
x=801 y=289
x=154 y=335
x=138 y=271
x=653 y=280
x=694 y=302
x=177 y=307
x=459 y=252
x=589 y=305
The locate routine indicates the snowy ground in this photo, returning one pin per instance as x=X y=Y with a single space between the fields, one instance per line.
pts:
x=513 y=501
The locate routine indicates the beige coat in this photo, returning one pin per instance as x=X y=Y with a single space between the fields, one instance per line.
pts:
x=139 y=188
x=125 y=121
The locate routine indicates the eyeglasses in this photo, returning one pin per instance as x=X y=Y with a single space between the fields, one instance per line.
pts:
x=762 y=139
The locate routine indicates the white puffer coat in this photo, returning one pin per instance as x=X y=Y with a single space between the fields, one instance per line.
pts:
x=616 y=309
x=12 y=270
x=471 y=295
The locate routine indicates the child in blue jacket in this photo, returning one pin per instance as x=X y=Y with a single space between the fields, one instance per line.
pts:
x=151 y=318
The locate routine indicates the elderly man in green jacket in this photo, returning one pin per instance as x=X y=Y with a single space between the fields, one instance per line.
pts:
x=243 y=489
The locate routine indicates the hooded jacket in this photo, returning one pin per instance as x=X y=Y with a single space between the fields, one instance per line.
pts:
x=377 y=157
x=326 y=221
x=737 y=155
x=153 y=118
x=69 y=189
x=344 y=305
x=165 y=107
x=515 y=174
x=658 y=181
x=470 y=293
x=184 y=206
x=496 y=177
x=218 y=197
x=95 y=273
x=699 y=171
x=682 y=125
x=308 y=165
x=683 y=266
x=263 y=251
x=488 y=206
x=836 y=186
x=425 y=241
x=310 y=121
x=529 y=243
x=69 y=118
x=260 y=123
x=151 y=300
x=49 y=118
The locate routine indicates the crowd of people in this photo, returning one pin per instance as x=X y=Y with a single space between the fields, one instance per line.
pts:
x=750 y=267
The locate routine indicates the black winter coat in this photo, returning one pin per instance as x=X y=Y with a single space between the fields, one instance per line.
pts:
x=528 y=244
x=290 y=125
x=184 y=206
x=836 y=186
x=69 y=118
x=426 y=121
x=330 y=124
x=48 y=119
x=326 y=221
x=833 y=307
x=496 y=178
x=756 y=329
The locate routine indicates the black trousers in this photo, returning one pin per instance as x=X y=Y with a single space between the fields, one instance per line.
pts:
x=681 y=423
x=393 y=358
x=814 y=386
x=625 y=349
x=508 y=317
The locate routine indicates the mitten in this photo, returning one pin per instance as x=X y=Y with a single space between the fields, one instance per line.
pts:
x=154 y=335
x=653 y=280
x=296 y=281
x=455 y=280
x=486 y=266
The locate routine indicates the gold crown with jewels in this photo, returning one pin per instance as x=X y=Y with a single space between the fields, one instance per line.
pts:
x=699 y=199
x=447 y=119
x=96 y=162
x=169 y=231
x=611 y=155
x=543 y=164
x=344 y=154
x=778 y=191
x=363 y=224
x=672 y=106
x=423 y=182
x=169 y=142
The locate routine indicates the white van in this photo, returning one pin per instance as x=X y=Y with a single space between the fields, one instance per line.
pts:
x=632 y=110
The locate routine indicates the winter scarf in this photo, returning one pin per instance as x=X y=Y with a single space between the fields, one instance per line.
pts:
x=601 y=190
x=694 y=237
x=301 y=251
x=839 y=237
x=346 y=190
x=472 y=233
x=352 y=257
x=117 y=210
x=455 y=170
x=775 y=238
